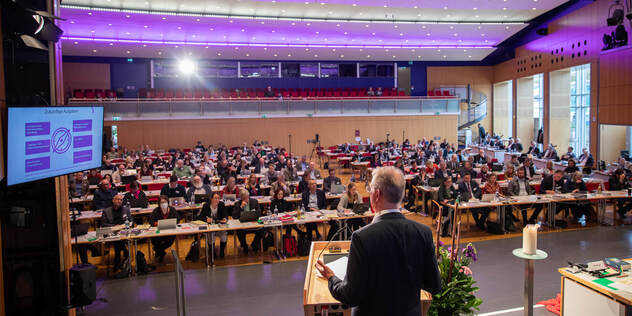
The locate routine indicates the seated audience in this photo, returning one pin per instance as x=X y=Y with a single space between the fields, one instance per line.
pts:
x=569 y=154
x=467 y=168
x=198 y=187
x=181 y=170
x=447 y=194
x=113 y=215
x=135 y=197
x=230 y=188
x=484 y=174
x=571 y=168
x=289 y=171
x=163 y=211
x=618 y=181
x=331 y=180
x=347 y=202
x=576 y=184
x=117 y=176
x=215 y=212
x=313 y=200
x=302 y=165
x=173 y=189
x=533 y=149
x=312 y=171
x=469 y=189
x=78 y=185
x=271 y=175
x=252 y=186
x=103 y=195
x=519 y=186
x=280 y=184
x=247 y=204
x=94 y=177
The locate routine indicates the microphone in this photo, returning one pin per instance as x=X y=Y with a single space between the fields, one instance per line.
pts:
x=332 y=238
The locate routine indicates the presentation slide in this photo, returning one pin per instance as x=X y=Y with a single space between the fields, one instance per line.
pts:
x=45 y=142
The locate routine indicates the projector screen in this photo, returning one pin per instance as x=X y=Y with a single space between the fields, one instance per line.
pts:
x=44 y=142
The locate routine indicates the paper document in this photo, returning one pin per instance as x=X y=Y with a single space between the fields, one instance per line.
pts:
x=339 y=266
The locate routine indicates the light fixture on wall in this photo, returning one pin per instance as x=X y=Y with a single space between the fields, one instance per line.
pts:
x=618 y=37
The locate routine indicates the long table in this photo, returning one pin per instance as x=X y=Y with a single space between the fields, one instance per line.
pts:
x=132 y=236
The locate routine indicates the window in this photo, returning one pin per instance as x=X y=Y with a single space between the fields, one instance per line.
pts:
x=580 y=107
x=348 y=70
x=309 y=70
x=368 y=70
x=386 y=70
x=227 y=69
x=328 y=70
x=538 y=103
x=290 y=70
x=166 y=69
x=259 y=69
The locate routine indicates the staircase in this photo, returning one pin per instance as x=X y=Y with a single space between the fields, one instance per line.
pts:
x=476 y=111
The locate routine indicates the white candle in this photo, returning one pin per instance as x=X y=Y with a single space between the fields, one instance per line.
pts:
x=530 y=239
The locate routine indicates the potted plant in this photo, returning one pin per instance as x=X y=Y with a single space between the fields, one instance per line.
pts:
x=457 y=283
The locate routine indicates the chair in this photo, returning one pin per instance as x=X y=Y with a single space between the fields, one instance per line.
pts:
x=252 y=94
x=110 y=94
x=142 y=92
x=305 y=93
x=285 y=93
x=345 y=94
x=431 y=93
x=233 y=94
x=188 y=94
x=89 y=94
x=207 y=94
x=354 y=93
x=260 y=94
x=402 y=93
x=151 y=93
x=198 y=94
x=446 y=93
x=243 y=94
x=329 y=94
x=179 y=94
x=169 y=94
x=78 y=94
x=294 y=93
x=312 y=93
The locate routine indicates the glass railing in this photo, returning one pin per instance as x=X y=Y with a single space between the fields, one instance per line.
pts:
x=131 y=109
x=475 y=113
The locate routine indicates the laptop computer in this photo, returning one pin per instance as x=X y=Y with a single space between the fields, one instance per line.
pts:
x=104 y=232
x=249 y=216
x=488 y=197
x=230 y=197
x=435 y=182
x=128 y=179
x=147 y=179
x=201 y=198
x=360 y=208
x=337 y=188
x=169 y=223
x=176 y=201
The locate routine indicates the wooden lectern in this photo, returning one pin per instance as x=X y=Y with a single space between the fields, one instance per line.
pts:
x=317 y=301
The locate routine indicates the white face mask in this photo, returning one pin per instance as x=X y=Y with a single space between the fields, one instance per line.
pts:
x=164 y=206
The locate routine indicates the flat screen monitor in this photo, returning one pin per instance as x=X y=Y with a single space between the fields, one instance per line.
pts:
x=44 y=142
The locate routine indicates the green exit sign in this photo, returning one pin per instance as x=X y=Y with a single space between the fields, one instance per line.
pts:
x=116 y=118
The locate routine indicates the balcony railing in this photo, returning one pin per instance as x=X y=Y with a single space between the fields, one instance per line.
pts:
x=140 y=109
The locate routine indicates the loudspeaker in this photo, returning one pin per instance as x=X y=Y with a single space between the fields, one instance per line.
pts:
x=83 y=290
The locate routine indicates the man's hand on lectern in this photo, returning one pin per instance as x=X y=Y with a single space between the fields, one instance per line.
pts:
x=324 y=269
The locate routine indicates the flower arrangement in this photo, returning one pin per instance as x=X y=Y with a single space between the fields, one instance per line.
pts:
x=457 y=283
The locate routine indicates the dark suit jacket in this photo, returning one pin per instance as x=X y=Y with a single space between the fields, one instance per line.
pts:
x=390 y=261
x=108 y=219
x=320 y=196
x=439 y=174
x=533 y=151
x=465 y=193
x=548 y=183
x=254 y=206
x=103 y=198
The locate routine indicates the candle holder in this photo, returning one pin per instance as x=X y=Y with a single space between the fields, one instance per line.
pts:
x=529 y=260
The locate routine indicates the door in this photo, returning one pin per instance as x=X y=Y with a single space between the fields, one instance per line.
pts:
x=403 y=79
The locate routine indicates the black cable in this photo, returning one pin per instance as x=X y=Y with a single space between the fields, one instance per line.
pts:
x=332 y=238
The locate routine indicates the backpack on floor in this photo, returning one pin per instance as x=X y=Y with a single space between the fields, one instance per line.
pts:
x=194 y=252
x=268 y=240
x=141 y=264
x=125 y=270
x=290 y=247
x=494 y=228
x=304 y=243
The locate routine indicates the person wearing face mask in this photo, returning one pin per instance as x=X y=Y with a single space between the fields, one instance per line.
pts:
x=214 y=211
x=198 y=187
x=163 y=211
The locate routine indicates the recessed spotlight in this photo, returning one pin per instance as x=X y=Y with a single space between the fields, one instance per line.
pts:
x=418 y=56
x=355 y=5
x=144 y=45
x=483 y=34
x=179 y=27
x=145 y=26
x=345 y=33
x=206 y=47
x=109 y=24
x=456 y=34
x=219 y=54
x=366 y=25
x=469 y=56
x=342 y=56
x=412 y=50
x=533 y=9
x=333 y=49
x=415 y=7
x=444 y=56
x=92 y=31
x=368 y=56
x=385 y=6
x=289 y=55
x=308 y=24
x=338 y=25
x=72 y=22
x=164 y=18
x=128 y=52
x=230 y=21
x=247 y=55
x=438 y=50
x=451 y=27
x=373 y=33
x=322 y=3
x=419 y=14
x=361 y=49
x=360 y=13
x=394 y=56
x=89 y=13
x=428 y=34
x=486 y=41
x=423 y=26
x=306 y=49
x=480 y=27
x=293 y=23
x=126 y=33
x=474 y=9
x=111 y=44
x=401 y=34
x=159 y=53
x=94 y=50
x=273 y=31
x=243 y=30
x=325 y=40
x=330 y=13
x=317 y=32
x=198 y=20
x=265 y=48
x=465 y=50
x=262 y=22
x=76 y=43
x=386 y=50
x=211 y=29
x=177 y=46
x=236 y=48
x=306 y=2
x=445 y=8
x=505 y=9
x=506 y=27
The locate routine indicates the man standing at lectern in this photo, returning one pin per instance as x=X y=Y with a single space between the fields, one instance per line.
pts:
x=390 y=260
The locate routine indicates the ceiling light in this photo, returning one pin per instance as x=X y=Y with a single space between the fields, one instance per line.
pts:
x=480 y=27
x=145 y=26
x=211 y=29
x=385 y=6
x=289 y=55
x=126 y=33
x=342 y=56
x=345 y=33
x=394 y=56
x=262 y=22
x=333 y=49
x=338 y=25
x=506 y=27
x=247 y=55
x=445 y=8
x=265 y=48
x=456 y=34
x=419 y=56
x=164 y=18
x=373 y=33
x=354 y=5
x=533 y=9
x=72 y=22
x=465 y=50
x=308 y=24
x=438 y=50
x=361 y=49
x=89 y=13
x=368 y=56
x=451 y=26
x=366 y=25
x=128 y=52
x=306 y=49
x=219 y=54
x=243 y=30
x=159 y=53
x=230 y=21
x=236 y=48
x=94 y=50
x=198 y=20
x=505 y=9
x=179 y=27
x=317 y=32
x=469 y=56
x=401 y=34
x=206 y=47
x=275 y=55
x=444 y=56
x=293 y=23
x=395 y=26
x=415 y=7
x=386 y=50
x=76 y=43
x=111 y=44
x=423 y=26
x=474 y=9
x=315 y=55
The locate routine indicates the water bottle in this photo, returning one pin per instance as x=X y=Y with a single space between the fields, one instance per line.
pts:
x=276 y=211
x=125 y=219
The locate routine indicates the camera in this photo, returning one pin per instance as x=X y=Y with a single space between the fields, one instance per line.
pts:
x=312 y=141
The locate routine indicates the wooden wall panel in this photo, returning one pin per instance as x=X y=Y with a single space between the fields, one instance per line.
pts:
x=86 y=76
x=502 y=108
x=615 y=85
x=166 y=134
x=481 y=79
x=613 y=140
x=524 y=110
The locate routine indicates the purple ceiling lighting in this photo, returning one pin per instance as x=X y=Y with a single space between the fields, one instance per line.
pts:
x=291 y=45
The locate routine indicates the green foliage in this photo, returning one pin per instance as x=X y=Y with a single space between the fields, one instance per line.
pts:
x=457 y=294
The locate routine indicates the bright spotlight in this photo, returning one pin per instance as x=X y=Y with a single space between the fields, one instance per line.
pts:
x=186 y=66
